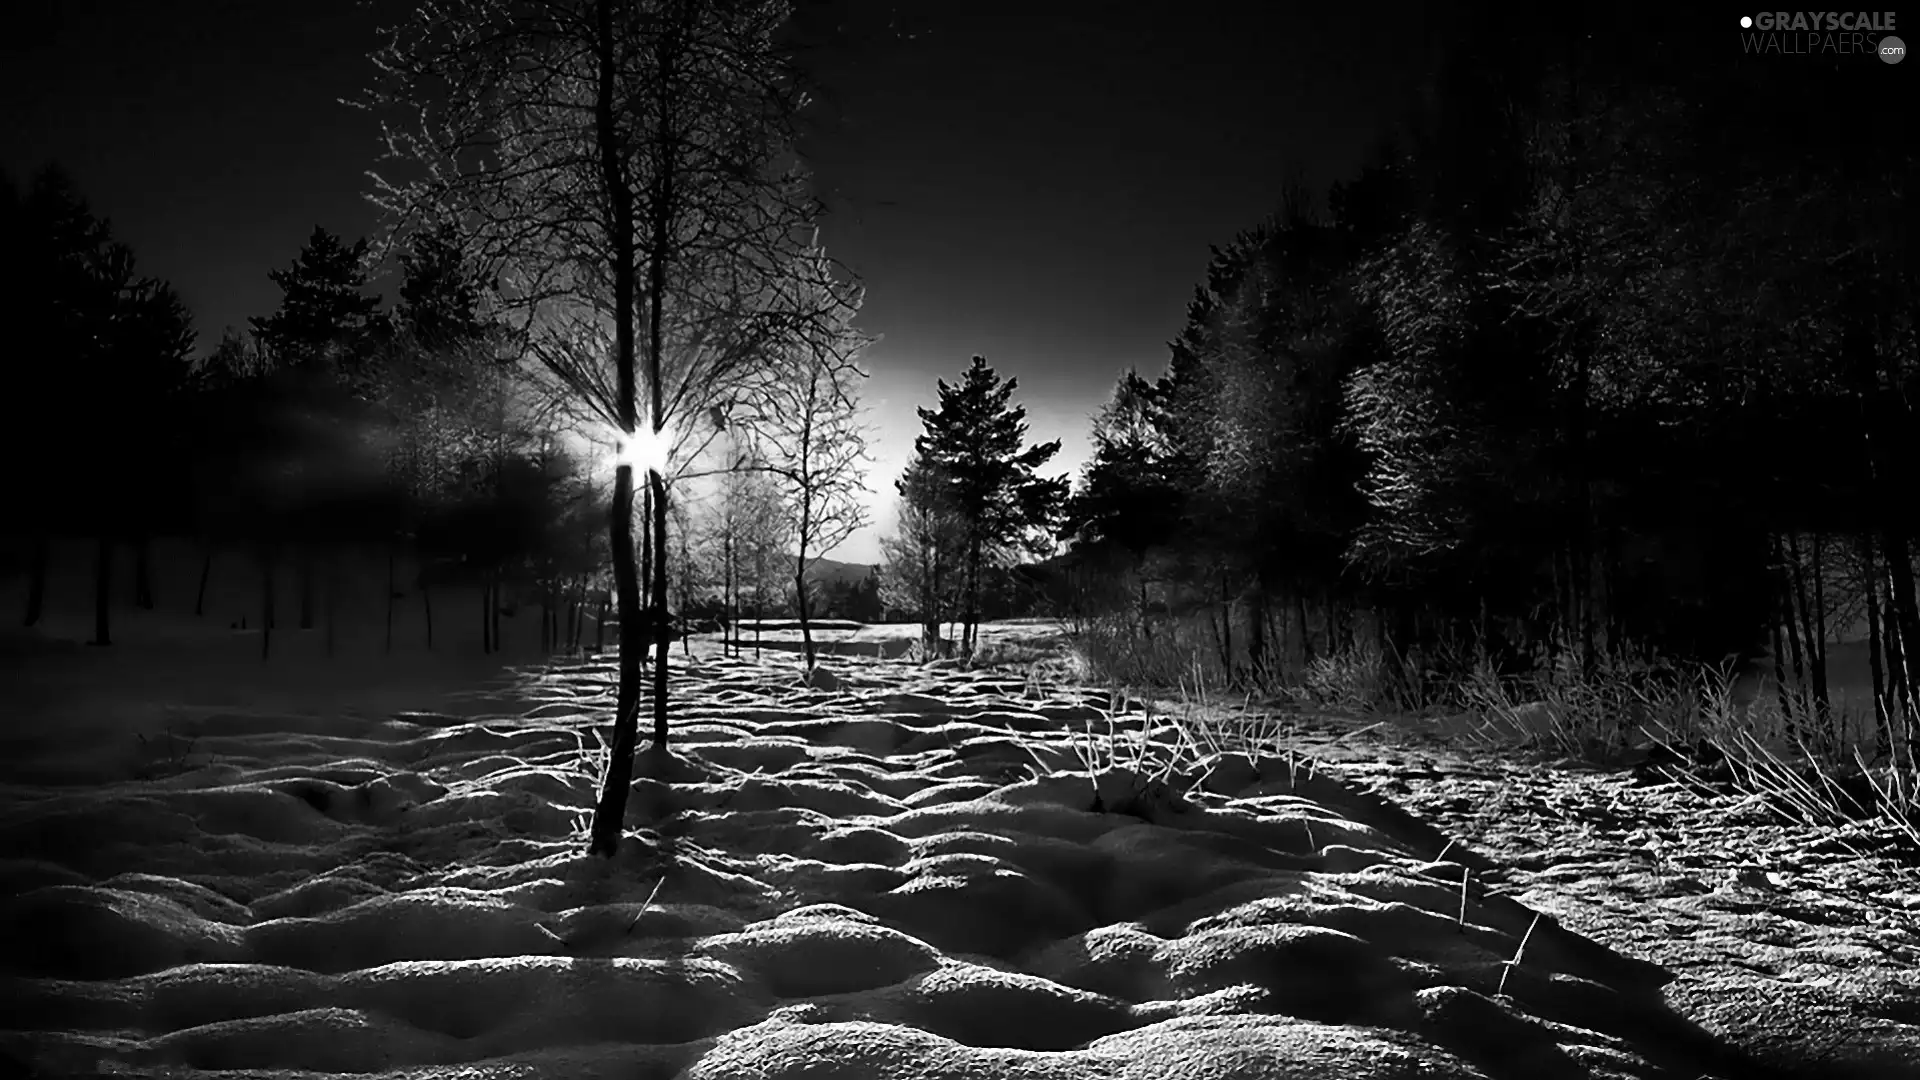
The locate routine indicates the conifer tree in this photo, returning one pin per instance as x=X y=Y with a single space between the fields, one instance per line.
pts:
x=974 y=452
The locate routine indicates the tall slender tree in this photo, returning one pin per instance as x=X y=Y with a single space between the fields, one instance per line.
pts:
x=323 y=333
x=922 y=557
x=624 y=171
x=804 y=418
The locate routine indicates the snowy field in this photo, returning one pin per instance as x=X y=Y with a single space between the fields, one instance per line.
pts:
x=918 y=872
x=864 y=882
x=1014 y=638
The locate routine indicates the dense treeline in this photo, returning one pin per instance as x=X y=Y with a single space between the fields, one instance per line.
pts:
x=331 y=422
x=338 y=421
x=342 y=421
x=102 y=351
x=1612 y=349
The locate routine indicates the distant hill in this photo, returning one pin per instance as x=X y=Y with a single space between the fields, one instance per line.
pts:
x=835 y=572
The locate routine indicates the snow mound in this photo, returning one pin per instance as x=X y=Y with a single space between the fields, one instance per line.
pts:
x=886 y=873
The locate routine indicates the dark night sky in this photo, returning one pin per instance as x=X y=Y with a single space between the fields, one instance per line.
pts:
x=1036 y=184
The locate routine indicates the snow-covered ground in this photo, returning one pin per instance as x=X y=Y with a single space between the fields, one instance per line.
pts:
x=362 y=862
x=902 y=873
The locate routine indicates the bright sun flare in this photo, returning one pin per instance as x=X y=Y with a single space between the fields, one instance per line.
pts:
x=643 y=450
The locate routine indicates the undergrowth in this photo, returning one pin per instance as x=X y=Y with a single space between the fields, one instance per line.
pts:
x=1701 y=726
x=1149 y=765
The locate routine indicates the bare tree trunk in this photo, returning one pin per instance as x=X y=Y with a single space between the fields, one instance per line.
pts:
x=426 y=606
x=974 y=584
x=1306 y=638
x=1886 y=445
x=800 y=603
x=663 y=647
x=929 y=601
x=1899 y=688
x=1779 y=665
x=1213 y=624
x=37 y=580
x=486 y=624
x=1797 y=654
x=1783 y=612
x=661 y=239
x=1822 y=687
x=1336 y=626
x=1809 y=624
x=1257 y=634
x=1876 y=665
x=1280 y=633
x=102 y=592
x=972 y=613
x=1906 y=615
x=609 y=813
x=1226 y=627
x=1899 y=659
x=646 y=540
x=800 y=571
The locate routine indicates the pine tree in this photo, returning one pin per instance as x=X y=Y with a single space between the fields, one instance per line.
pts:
x=325 y=316
x=122 y=343
x=441 y=295
x=974 y=451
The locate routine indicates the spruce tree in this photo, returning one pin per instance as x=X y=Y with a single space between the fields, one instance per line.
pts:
x=974 y=450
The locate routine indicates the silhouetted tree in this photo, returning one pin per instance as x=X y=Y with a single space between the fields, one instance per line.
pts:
x=326 y=325
x=442 y=295
x=121 y=343
x=597 y=154
x=974 y=453
x=749 y=534
x=1128 y=485
x=325 y=316
x=1584 y=361
x=919 y=574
